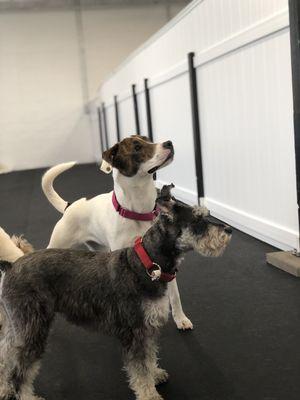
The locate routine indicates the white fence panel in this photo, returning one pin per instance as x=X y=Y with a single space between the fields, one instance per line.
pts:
x=142 y=113
x=242 y=55
x=247 y=138
x=126 y=117
x=171 y=116
x=111 y=125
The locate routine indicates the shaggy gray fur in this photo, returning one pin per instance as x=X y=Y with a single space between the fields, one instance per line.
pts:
x=110 y=292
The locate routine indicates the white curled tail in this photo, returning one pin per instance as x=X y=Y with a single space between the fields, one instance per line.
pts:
x=47 y=184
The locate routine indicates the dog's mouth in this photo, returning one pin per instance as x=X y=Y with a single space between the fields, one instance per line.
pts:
x=163 y=164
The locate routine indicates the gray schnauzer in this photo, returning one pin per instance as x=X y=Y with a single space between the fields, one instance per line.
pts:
x=122 y=293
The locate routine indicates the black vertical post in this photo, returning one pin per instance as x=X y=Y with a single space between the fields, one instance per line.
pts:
x=294 y=11
x=148 y=114
x=117 y=118
x=148 y=110
x=105 y=125
x=100 y=129
x=196 y=124
x=136 y=110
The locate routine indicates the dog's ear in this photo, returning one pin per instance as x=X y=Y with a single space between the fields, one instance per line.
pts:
x=108 y=158
x=165 y=200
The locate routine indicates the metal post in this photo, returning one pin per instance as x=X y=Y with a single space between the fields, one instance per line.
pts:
x=196 y=125
x=105 y=126
x=117 y=118
x=136 y=110
x=148 y=114
x=100 y=129
x=294 y=11
x=148 y=110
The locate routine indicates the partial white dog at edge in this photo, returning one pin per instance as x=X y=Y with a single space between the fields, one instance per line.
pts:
x=132 y=162
x=14 y=247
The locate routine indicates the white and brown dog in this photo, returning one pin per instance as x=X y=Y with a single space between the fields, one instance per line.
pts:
x=115 y=219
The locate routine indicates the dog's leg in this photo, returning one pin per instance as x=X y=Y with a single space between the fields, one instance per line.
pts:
x=22 y=348
x=64 y=235
x=181 y=320
x=7 y=360
x=141 y=365
x=160 y=375
x=27 y=391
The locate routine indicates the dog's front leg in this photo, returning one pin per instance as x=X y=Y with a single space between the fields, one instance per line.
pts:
x=181 y=320
x=141 y=366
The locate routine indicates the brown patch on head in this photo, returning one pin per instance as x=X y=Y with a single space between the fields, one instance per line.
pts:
x=129 y=154
x=142 y=137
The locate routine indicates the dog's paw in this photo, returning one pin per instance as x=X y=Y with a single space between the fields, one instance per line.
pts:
x=183 y=323
x=156 y=396
x=152 y=396
x=160 y=376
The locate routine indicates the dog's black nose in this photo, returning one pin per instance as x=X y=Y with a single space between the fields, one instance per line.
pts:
x=168 y=144
x=228 y=230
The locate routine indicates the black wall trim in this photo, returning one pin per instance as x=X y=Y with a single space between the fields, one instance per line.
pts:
x=148 y=110
x=294 y=11
x=148 y=114
x=196 y=124
x=105 y=125
x=136 y=111
x=100 y=129
x=117 y=118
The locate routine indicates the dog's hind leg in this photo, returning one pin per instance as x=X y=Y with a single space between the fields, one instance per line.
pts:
x=7 y=360
x=181 y=320
x=64 y=236
x=140 y=362
x=27 y=391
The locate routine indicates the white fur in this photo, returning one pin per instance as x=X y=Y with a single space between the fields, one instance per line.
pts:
x=48 y=178
x=8 y=249
x=156 y=312
x=96 y=219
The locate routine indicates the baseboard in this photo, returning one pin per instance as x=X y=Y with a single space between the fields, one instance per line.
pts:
x=186 y=195
x=4 y=169
x=276 y=235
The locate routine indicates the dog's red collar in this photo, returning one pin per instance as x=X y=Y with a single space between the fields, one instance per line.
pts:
x=153 y=269
x=132 y=214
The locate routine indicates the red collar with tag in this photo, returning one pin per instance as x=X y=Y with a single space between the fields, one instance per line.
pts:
x=132 y=214
x=153 y=269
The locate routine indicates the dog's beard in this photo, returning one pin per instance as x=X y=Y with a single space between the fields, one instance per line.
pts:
x=211 y=244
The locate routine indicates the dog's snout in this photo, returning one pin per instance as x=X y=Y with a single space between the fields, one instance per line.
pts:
x=228 y=229
x=168 y=144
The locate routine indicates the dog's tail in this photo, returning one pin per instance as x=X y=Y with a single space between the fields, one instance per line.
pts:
x=22 y=244
x=9 y=250
x=47 y=184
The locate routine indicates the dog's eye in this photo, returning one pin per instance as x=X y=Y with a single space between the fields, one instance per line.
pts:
x=137 y=147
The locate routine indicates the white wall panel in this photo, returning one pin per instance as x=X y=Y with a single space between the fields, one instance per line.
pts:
x=200 y=25
x=126 y=116
x=111 y=125
x=142 y=113
x=242 y=55
x=172 y=121
x=247 y=136
x=42 y=119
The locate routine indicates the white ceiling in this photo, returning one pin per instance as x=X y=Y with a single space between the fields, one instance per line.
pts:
x=7 y=5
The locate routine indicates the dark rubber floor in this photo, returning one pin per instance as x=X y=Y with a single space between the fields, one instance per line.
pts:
x=246 y=314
